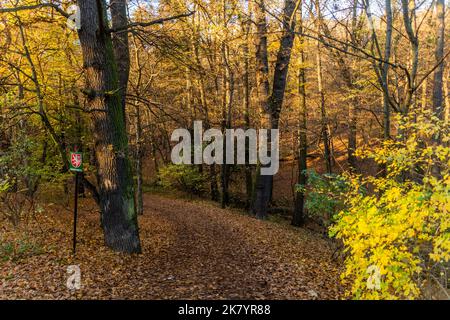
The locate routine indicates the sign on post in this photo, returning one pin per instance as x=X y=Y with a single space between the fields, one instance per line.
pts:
x=75 y=165
x=76 y=161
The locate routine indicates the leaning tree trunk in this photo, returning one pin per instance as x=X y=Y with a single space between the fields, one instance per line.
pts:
x=271 y=105
x=262 y=84
x=115 y=181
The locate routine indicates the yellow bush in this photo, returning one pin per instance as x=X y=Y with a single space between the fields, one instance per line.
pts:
x=396 y=234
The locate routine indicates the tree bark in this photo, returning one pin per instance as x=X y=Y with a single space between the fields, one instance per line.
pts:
x=323 y=113
x=408 y=12
x=385 y=72
x=228 y=89
x=119 y=19
x=298 y=218
x=438 y=97
x=271 y=105
x=246 y=87
x=139 y=156
x=382 y=67
x=352 y=108
x=227 y=102
x=214 y=188
x=115 y=179
x=447 y=98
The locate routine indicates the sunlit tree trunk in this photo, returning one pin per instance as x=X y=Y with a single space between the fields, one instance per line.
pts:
x=115 y=180
x=424 y=94
x=382 y=67
x=323 y=112
x=447 y=98
x=409 y=16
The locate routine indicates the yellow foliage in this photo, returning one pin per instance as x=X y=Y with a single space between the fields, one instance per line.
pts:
x=401 y=228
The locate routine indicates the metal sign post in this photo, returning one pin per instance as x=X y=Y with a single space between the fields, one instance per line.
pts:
x=76 y=165
x=75 y=214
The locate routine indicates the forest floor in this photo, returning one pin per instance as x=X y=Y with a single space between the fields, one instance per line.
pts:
x=191 y=250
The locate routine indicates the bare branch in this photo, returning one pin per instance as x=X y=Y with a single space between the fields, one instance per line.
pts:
x=150 y=23
x=35 y=6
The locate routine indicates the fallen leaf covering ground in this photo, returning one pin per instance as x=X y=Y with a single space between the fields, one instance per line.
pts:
x=191 y=250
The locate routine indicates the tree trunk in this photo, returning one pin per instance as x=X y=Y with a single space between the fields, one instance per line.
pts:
x=262 y=183
x=298 y=218
x=139 y=156
x=227 y=102
x=385 y=71
x=438 y=97
x=352 y=108
x=214 y=188
x=115 y=180
x=228 y=89
x=409 y=16
x=246 y=87
x=348 y=78
x=424 y=94
x=447 y=98
x=323 y=114
x=271 y=105
x=119 y=19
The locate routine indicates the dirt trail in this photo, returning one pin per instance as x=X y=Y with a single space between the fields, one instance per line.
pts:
x=190 y=250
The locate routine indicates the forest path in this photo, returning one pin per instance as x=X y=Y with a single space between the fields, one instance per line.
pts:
x=191 y=250
x=213 y=253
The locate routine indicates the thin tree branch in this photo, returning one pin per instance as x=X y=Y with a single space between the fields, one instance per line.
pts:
x=36 y=6
x=149 y=23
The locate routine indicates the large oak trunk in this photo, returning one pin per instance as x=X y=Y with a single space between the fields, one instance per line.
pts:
x=114 y=175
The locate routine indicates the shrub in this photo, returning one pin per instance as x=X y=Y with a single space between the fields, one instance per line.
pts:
x=401 y=230
x=23 y=169
x=324 y=195
x=182 y=177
